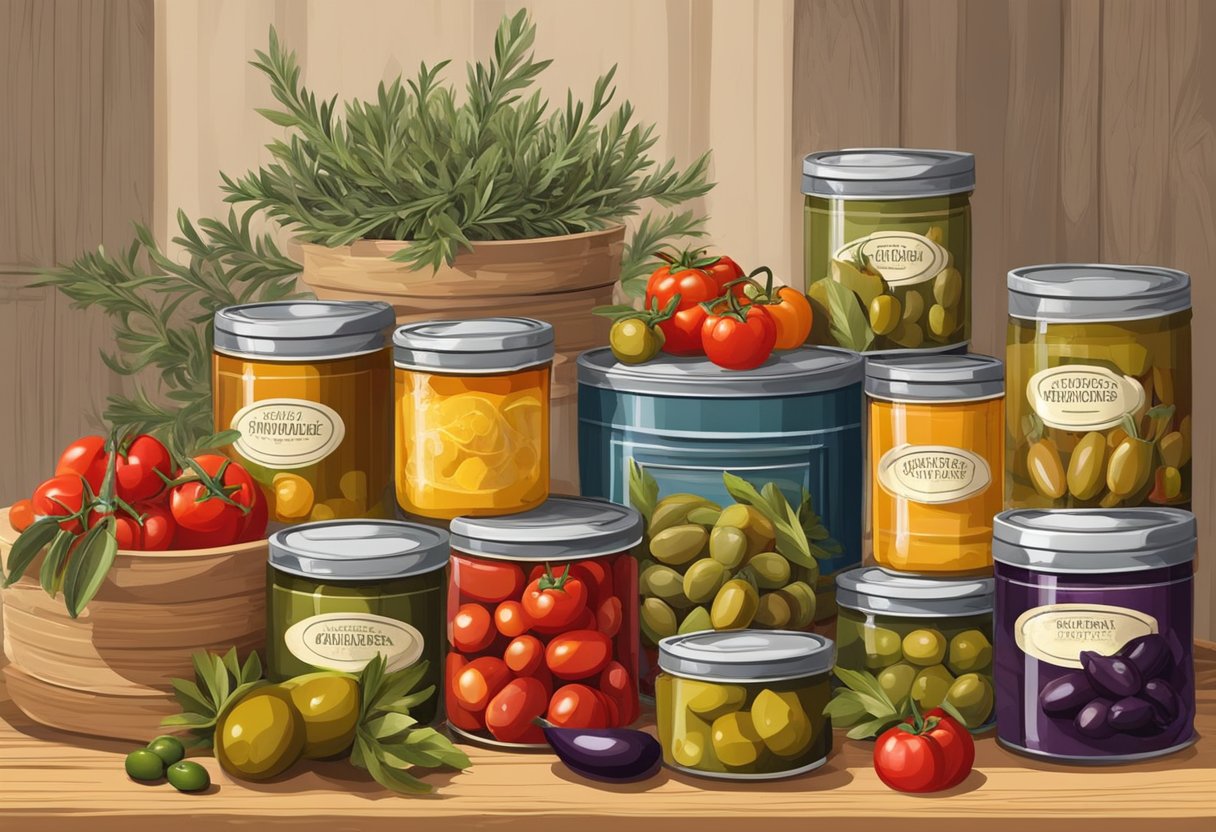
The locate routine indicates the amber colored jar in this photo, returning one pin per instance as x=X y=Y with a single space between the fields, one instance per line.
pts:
x=307 y=385
x=936 y=460
x=472 y=416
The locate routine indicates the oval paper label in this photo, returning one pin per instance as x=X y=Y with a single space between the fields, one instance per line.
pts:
x=1083 y=397
x=347 y=641
x=933 y=473
x=901 y=257
x=1058 y=633
x=287 y=433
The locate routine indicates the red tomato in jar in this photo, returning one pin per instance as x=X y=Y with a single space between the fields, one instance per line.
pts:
x=577 y=706
x=141 y=472
x=479 y=681
x=554 y=602
x=223 y=503
x=158 y=527
x=510 y=619
x=472 y=630
x=578 y=654
x=457 y=714
x=510 y=713
x=61 y=496
x=596 y=577
x=524 y=655
x=86 y=457
x=616 y=683
x=487 y=581
x=21 y=515
x=926 y=755
x=608 y=617
x=739 y=339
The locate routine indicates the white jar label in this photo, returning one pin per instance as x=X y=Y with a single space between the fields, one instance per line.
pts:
x=346 y=641
x=1058 y=633
x=1083 y=397
x=933 y=473
x=287 y=433
x=901 y=257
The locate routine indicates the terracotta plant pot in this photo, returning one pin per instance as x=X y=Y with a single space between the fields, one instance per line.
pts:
x=555 y=279
x=107 y=673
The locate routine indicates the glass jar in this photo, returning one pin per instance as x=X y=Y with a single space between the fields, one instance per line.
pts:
x=937 y=449
x=1099 y=409
x=888 y=248
x=306 y=383
x=472 y=416
x=745 y=704
x=542 y=610
x=1094 y=632
x=338 y=593
x=925 y=638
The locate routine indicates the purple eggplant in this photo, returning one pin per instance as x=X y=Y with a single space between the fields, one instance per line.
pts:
x=1066 y=695
x=1164 y=699
x=617 y=755
x=1092 y=720
x=1113 y=676
x=1131 y=713
x=1150 y=654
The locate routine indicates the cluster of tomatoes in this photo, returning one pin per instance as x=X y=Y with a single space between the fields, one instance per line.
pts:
x=156 y=503
x=558 y=644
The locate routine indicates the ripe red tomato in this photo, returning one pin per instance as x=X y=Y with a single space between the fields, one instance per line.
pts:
x=577 y=706
x=510 y=713
x=609 y=616
x=739 y=339
x=254 y=526
x=578 y=654
x=60 y=496
x=472 y=630
x=957 y=745
x=457 y=714
x=199 y=507
x=137 y=474
x=596 y=577
x=554 y=602
x=510 y=619
x=184 y=538
x=524 y=655
x=617 y=684
x=21 y=515
x=87 y=457
x=479 y=681
x=924 y=755
x=158 y=527
x=611 y=712
x=723 y=270
x=127 y=532
x=683 y=329
x=487 y=581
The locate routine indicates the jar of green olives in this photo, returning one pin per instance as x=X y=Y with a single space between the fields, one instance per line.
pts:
x=888 y=248
x=744 y=705
x=928 y=639
x=1098 y=362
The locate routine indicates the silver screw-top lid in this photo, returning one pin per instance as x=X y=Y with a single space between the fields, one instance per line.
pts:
x=559 y=529
x=935 y=378
x=359 y=550
x=476 y=345
x=887 y=173
x=297 y=330
x=874 y=590
x=747 y=655
x=1094 y=540
x=1081 y=292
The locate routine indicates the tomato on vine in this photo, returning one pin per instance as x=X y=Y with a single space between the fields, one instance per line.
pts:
x=789 y=308
x=737 y=335
x=684 y=282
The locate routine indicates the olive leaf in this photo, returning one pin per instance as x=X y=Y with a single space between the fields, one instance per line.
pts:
x=89 y=565
x=219 y=683
x=27 y=546
x=862 y=705
x=791 y=539
x=871 y=728
x=848 y=324
x=643 y=490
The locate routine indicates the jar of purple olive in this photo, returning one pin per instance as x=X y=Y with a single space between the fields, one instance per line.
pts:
x=1093 y=639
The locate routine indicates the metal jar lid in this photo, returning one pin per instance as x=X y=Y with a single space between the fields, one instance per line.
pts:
x=935 y=378
x=1092 y=292
x=793 y=373
x=874 y=590
x=559 y=529
x=296 y=330
x=747 y=655
x=1094 y=540
x=887 y=173
x=359 y=550
x=476 y=345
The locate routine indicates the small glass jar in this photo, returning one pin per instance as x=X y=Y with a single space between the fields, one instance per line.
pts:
x=744 y=704
x=341 y=592
x=306 y=383
x=937 y=448
x=542 y=610
x=1099 y=405
x=472 y=416
x=888 y=248
x=1094 y=617
x=925 y=638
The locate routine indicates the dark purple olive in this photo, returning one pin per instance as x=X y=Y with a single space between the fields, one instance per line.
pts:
x=1150 y=654
x=1164 y=699
x=1131 y=713
x=1066 y=695
x=1113 y=676
x=614 y=754
x=1091 y=720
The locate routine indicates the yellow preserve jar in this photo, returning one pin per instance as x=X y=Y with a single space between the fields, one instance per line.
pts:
x=937 y=456
x=472 y=416
x=306 y=384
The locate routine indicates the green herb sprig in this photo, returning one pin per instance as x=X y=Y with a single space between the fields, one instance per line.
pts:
x=219 y=682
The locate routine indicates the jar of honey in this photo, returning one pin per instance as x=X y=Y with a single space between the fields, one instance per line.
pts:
x=306 y=384
x=936 y=460
x=472 y=416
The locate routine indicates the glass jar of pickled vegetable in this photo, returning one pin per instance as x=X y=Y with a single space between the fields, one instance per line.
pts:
x=473 y=416
x=928 y=639
x=542 y=621
x=1099 y=405
x=888 y=248
x=307 y=386
x=937 y=446
x=746 y=704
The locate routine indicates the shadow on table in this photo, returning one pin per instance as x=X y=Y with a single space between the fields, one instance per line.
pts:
x=832 y=775
x=994 y=755
x=341 y=775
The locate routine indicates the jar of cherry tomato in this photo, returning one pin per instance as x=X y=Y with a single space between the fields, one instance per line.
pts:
x=543 y=621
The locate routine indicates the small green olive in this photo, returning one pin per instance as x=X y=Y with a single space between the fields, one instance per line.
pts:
x=702 y=580
x=771 y=569
x=169 y=749
x=1086 y=466
x=1129 y=467
x=658 y=621
x=896 y=681
x=914 y=306
x=728 y=546
x=885 y=312
x=633 y=342
x=774 y=612
x=1046 y=469
x=734 y=606
x=664 y=583
x=969 y=651
x=801 y=599
x=930 y=687
x=882 y=647
x=924 y=647
x=188 y=776
x=679 y=544
x=673 y=510
x=908 y=335
x=695 y=621
x=942 y=322
x=948 y=286
x=144 y=765
x=972 y=696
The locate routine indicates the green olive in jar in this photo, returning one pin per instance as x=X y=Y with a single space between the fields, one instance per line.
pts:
x=885 y=314
x=1046 y=469
x=971 y=695
x=942 y=322
x=924 y=647
x=678 y=545
x=948 y=286
x=728 y=546
x=1129 y=467
x=930 y=687
x=969 y=651
x=914 y=306
x=695 y=621
x=755 y=526
x=773 y=612
x=882 y=647
x=772 y=571
x=665 y=583
x=801 y=599
x=735 y=739
x=1086 y=466
x=734 y=606
x=782 y=724
x=711 y=700
x=896 y=681
x=657 y=620
x=703 y=580
x=689 y=746
x=908 y=335
x=674 y=510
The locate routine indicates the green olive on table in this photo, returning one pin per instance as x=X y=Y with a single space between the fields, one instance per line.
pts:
x=169 y=749
x=633 y=342
x=144 y=765
x=188 y=776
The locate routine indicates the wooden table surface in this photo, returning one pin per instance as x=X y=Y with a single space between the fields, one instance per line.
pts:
x=53 y=781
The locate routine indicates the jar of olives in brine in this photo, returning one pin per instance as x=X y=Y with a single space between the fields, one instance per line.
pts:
x=307 y=386
x=888 y=248
x=1099 y=372
x=928 y=639
x=744 y=705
